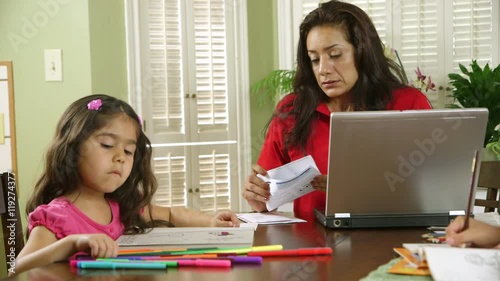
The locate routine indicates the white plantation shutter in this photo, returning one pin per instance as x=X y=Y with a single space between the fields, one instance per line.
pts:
x=188 y=46
x=210 y=59
x=419 y=40
x=472 y=32
x=165 y=48
x=378 y=13
x=435 y=35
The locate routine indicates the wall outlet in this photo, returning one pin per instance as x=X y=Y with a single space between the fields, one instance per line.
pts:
x=53 y=65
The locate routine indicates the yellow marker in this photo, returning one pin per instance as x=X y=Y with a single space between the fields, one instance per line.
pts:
x=267 y=248
x=246 y=250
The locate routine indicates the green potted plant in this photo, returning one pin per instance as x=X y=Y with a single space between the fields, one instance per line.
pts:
x=479 y=87
x=271 y=87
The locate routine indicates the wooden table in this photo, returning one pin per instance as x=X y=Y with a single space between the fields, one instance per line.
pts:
x=355 y=254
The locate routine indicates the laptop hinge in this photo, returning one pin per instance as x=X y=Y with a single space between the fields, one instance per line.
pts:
x=342 y=215
x=457 y=213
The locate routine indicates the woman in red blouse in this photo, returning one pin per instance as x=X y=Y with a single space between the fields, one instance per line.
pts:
x=340 y=67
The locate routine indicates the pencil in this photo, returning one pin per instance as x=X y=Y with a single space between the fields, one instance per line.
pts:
x=475 y=164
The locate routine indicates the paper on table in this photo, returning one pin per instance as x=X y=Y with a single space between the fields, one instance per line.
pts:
x=290 y=181
x=190 y=237
x=492 y=218
x=267 y=218
x=463 y=263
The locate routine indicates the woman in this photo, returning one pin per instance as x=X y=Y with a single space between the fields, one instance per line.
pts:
x=340 y=67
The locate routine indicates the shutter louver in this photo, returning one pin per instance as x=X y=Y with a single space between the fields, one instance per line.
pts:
x=214 y=181
x=170 y=172
x=419 y=40
x=210 y=48
x=376 y=10
x=166 y=66
x=472 y=32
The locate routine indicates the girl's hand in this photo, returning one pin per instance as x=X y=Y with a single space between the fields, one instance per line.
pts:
x=319 y=182
x=100 y=245
x=478 y=234
x=225 y=219
x=256 y=190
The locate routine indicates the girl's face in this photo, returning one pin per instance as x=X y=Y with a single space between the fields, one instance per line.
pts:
x=107 y=156
x=332 y=61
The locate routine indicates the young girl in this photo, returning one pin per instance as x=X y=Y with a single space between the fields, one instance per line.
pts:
x=98 y=184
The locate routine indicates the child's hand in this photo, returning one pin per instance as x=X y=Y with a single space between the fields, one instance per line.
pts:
x=478 y=234
x=225 y=219
x=100 y=245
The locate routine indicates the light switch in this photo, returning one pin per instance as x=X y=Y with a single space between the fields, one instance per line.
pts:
x=53 y=65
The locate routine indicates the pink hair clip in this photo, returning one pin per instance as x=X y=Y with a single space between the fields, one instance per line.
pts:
x=95 y=104
x=139 y=119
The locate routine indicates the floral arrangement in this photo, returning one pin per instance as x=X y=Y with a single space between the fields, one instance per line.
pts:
x=423 y=83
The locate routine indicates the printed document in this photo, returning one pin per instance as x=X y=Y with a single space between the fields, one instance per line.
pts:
x=290 y=181
x=268 y=218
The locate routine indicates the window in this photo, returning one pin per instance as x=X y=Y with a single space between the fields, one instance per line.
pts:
x=189 y=82
x=435 y=35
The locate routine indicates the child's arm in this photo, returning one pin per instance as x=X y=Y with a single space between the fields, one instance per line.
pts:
x=180 y=216
x=44 y=248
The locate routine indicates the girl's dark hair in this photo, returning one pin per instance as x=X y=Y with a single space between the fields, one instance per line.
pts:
x=60 y=176
x=378 y=76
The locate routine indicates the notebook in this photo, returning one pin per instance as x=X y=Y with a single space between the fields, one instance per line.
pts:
x=401 y=168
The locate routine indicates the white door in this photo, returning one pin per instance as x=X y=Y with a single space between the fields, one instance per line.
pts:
x=192 y=98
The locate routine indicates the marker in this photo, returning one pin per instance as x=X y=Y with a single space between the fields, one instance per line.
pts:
x=204 y=263
x=124 y=265
x=169 y=252
x=297 y=252
x=233 y=259
x=165 y=257
x=246 y=250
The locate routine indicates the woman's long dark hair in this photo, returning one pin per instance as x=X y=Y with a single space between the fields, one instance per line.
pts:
x=60 y=175
x=377 y=75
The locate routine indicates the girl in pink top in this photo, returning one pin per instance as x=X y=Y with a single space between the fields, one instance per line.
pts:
x=98 y=184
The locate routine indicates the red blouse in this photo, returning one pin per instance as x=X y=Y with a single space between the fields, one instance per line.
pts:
x=273 y=152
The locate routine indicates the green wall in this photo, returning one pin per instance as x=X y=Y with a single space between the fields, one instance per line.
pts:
x=263 y=58
x=91 y=35
x=107 y=48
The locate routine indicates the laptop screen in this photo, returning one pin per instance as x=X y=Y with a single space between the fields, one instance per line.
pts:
x=402 y=162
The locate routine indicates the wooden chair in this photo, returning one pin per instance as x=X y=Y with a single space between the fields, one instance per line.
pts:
x=12 y=230
x=489 y=177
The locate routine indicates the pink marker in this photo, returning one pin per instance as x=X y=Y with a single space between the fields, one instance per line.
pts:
x=204 y=263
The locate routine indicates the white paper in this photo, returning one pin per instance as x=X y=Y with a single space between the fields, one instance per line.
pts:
x=290 y=181
x=268 y=218
x=252 y=225
x=492 y=218
x=191 y=237
x=465 y=264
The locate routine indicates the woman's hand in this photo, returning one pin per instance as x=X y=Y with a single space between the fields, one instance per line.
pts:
x=319 y=182
x=478 y=234
x=100 y=245
x=256 y=190
x=225 y=219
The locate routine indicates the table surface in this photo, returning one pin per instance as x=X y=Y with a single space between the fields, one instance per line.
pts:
x=356 y=253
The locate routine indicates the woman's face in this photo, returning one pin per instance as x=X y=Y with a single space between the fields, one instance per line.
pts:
x=332 y=61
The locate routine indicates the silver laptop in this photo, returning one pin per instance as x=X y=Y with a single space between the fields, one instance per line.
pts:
x=401 y=168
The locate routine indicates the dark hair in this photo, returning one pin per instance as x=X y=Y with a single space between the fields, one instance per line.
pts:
x=377 y=75
x=61 y=160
